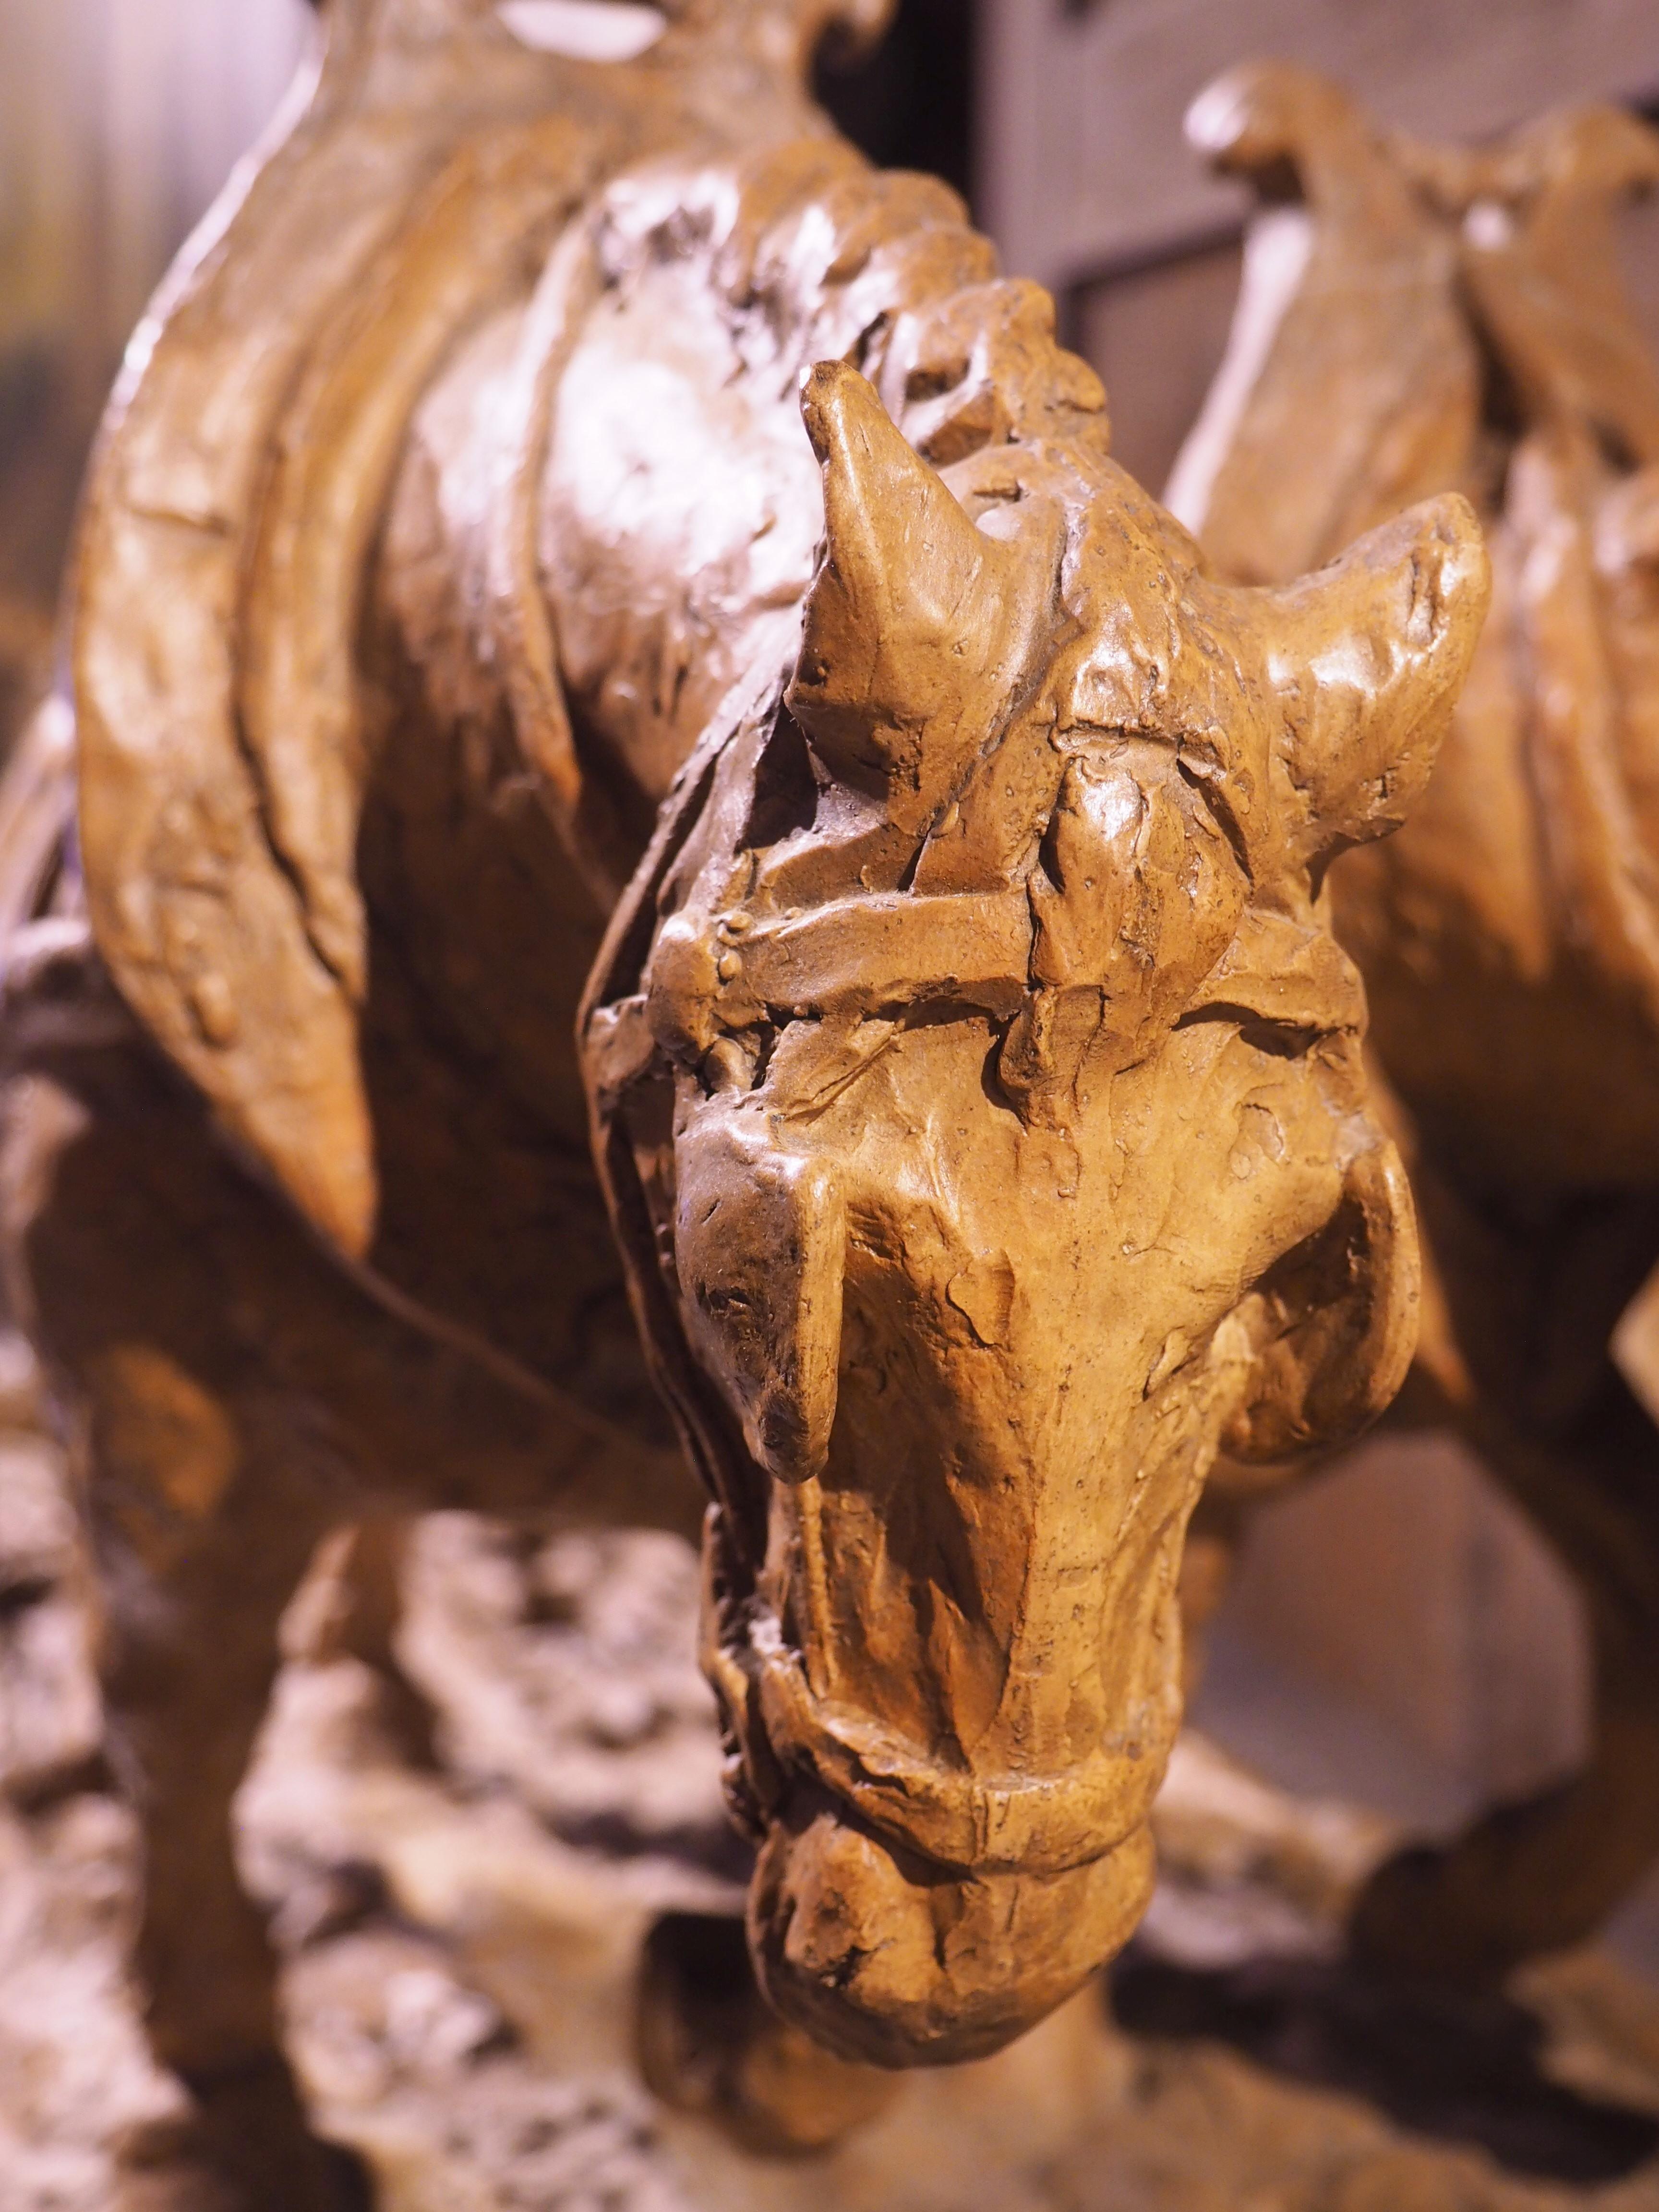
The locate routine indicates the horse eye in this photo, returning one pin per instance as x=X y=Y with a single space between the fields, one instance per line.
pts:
x=585 y=30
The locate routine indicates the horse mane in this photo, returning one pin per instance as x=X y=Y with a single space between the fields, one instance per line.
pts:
x=418 y=178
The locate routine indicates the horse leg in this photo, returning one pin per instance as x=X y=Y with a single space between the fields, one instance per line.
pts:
x=1546 y=1872
x=1537 y=1876
x=189 y=1655
x=205 y=1499
x=351 y=1607
x=706 y=2042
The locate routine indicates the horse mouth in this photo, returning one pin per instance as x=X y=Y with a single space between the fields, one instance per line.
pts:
x=886 y=1956
x=908 y=1914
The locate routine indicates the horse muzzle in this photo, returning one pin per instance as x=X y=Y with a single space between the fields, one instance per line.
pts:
x=888 y=1957
x=907 y=1913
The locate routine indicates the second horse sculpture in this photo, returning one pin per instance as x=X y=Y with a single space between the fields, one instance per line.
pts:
x=975 y=1083
x=1415 y=320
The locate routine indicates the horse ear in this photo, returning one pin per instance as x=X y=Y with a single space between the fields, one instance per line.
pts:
x=759 y=1249
x=918 y=627
x=1333 y=1327
x=1367 y=657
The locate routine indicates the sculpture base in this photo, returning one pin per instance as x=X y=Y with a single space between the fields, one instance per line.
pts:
x=466 y=1910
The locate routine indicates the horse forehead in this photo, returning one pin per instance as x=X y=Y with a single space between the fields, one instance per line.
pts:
x=1148 y=652
x=917 y=1133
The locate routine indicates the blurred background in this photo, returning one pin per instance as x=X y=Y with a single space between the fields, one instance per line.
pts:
x=1397 y=1635
x=119 y=120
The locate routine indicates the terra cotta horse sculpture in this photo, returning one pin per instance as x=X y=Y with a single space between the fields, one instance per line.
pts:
x=975 y=1085
x=1415 y=320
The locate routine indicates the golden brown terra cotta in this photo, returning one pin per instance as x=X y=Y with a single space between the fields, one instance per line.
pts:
x=975 y=1083
x=1415 y=320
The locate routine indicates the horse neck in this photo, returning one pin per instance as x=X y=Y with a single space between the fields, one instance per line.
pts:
x=671 y=508
x=484 y=929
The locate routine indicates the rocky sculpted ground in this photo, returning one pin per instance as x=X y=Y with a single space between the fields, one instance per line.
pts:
x=467 y=1865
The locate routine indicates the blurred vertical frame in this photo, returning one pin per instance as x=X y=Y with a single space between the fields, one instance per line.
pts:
x=910 y=103
x=119 y=120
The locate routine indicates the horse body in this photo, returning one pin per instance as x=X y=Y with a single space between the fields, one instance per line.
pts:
x=1461 y=317
x=973 y=1082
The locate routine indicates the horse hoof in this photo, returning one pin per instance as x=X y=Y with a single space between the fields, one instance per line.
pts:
x=709 y=2043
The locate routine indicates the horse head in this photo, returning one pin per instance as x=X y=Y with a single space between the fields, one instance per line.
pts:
x=978 y=1088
